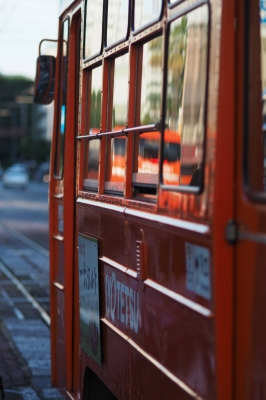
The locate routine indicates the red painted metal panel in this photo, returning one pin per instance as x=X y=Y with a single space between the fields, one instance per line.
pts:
x=173 y=335
x=60 y=341
x=59 y=262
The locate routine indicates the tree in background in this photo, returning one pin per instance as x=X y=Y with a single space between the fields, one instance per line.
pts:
x=21 y=130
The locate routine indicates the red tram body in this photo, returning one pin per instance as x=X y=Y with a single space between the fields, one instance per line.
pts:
x=158 y=246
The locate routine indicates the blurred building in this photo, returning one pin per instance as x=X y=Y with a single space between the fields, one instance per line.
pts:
x=22 y=123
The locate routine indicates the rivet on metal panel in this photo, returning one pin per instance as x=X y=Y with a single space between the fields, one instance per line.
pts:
x=141 y=258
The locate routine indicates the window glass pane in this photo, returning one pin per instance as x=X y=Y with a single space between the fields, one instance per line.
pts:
x=96 y=100
x=149 y=153
x=146 y=11
x=185 y=99
x=120 y=95
x=94 y=122
x=150 y=110
x=93 y=27
x=151 y=82
x=118 y=154
x=255 y=121
x=93 y=159
x=60 y=140
x=117 y=20
x=119 y=119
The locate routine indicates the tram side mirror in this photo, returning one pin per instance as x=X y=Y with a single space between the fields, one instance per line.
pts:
x=44 y=81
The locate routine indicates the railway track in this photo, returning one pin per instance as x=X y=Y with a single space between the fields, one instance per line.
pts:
x=25 y=365
x=24 y=276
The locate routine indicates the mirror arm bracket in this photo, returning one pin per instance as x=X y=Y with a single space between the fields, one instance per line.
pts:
x=46 y=40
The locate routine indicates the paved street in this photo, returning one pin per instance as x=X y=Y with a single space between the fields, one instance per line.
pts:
x=26 y=211
x=24 y=294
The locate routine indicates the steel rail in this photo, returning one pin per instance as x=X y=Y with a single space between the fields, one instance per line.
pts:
x=26 y=293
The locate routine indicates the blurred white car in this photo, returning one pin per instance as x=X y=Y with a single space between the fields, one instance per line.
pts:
x=16 y=176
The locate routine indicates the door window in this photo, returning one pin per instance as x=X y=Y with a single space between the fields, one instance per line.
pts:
x=255 y=89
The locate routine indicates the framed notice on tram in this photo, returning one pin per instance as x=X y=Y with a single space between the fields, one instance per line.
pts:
x=89 y=302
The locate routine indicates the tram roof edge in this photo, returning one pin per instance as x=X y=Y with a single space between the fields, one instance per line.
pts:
x=64 y=4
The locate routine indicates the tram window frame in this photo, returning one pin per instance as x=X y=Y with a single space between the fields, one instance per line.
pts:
x=145 y=26
x=88 y=183
x=174 y=3
x=249 y=64
x=186 y=188
x=114 y=187
x=103 y=32
x=144 y=185
x=60 y=141
x=108 y=47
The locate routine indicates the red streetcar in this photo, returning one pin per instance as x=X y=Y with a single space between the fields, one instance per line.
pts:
x=157 y=199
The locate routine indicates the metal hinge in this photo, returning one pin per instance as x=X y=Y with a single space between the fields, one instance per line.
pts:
x=231 y=231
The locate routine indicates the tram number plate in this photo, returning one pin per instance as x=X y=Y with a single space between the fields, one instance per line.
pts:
x=89 y=301
x=198 y=270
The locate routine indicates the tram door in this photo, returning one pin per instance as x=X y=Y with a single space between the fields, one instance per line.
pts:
x=250 y=246
x=62 y=203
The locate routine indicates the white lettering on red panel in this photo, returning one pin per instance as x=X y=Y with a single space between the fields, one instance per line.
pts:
x=122 y=303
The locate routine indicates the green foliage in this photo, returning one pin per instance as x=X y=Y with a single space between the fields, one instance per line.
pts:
x=95 y=112
x=19 y=122
x=155 y=48
x=12 y=86
x=34 y=149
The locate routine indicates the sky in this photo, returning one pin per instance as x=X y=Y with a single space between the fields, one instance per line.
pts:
x=23 y=24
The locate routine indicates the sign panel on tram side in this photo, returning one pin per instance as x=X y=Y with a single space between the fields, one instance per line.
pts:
x=122 y=303
x=198 y=273
x=89 y=301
